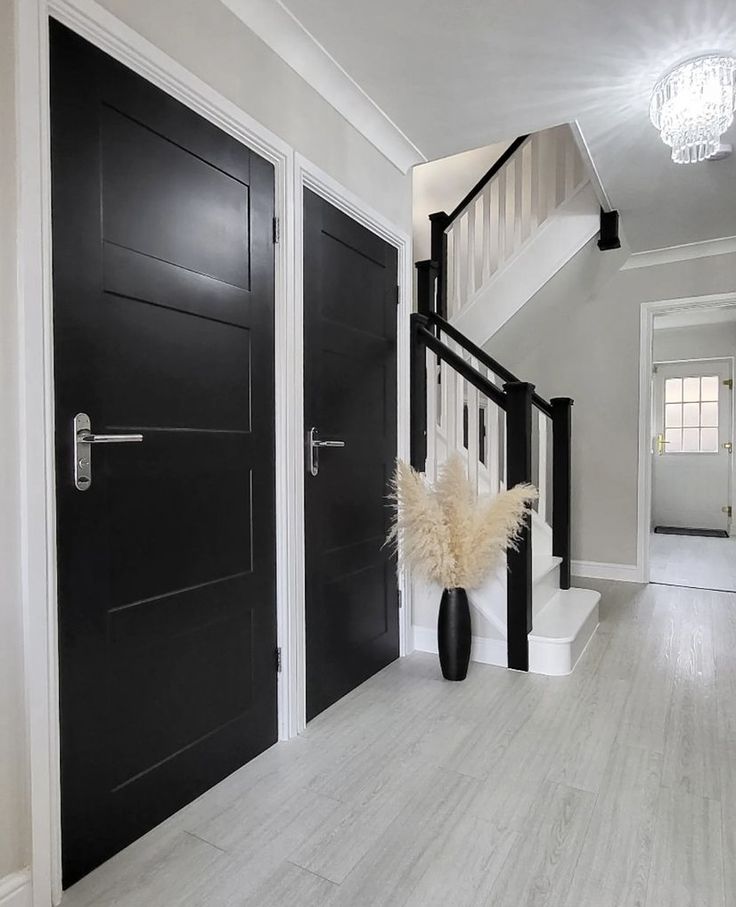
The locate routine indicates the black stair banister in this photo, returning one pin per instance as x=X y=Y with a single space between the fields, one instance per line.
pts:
x=562 y=484
x=486 y=178
x=517 y=398
x=485 y=359
x=440 y=222
x=458 y=364
x=519 y=558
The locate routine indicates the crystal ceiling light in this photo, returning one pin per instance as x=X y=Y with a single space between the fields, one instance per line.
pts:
x=693 y=104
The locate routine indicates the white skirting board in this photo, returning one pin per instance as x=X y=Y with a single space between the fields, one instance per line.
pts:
x=483 y=650
x=15 y=889
x=625 y=573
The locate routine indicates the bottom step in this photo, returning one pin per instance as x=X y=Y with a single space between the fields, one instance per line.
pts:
x=562 y=630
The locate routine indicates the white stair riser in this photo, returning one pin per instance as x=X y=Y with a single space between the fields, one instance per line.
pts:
x=545 y=589
x=555 y=659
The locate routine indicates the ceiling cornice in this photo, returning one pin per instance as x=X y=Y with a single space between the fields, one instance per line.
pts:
x=285 y=35
x=704 y=249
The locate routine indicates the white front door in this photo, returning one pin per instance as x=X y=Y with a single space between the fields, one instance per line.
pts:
x=691 y=449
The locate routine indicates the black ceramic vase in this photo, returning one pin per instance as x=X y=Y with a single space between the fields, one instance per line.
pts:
x=453 y=634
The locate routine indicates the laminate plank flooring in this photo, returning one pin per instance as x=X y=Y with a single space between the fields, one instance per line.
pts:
x=694 y=561
x=613 y=787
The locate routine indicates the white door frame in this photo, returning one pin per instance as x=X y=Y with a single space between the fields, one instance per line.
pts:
x=309 y=176
x=36 y=416
x=646 y=361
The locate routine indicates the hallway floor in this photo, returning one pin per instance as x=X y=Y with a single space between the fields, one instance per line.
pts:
x=613 y=787
x=691 y=560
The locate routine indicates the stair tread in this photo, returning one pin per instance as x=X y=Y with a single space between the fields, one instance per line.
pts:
x=543 y=564
x=563 y=616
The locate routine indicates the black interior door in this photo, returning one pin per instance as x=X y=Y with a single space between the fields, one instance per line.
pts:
x=350 y=313
x=163 y=326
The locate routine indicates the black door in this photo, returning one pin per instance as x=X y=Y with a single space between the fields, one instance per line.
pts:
x=163 y=326
x=350 y=313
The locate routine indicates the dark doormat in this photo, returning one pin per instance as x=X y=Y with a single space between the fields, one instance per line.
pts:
x=679 y=530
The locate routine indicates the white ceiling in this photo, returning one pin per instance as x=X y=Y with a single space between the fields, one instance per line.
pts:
x=451 y=76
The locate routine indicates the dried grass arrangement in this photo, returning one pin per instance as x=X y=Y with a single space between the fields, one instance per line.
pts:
x=447 y=533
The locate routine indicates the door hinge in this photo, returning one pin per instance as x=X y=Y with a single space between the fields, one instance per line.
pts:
x=398 y=295
x=276 y=230
x=278 y=660
x=726 y=510
x=729 y=383
x=399 y=598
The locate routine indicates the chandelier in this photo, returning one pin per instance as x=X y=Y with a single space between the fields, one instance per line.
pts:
x=693 y=104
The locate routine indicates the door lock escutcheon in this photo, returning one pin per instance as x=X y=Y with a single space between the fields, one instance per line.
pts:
x=314 y=444
x=84 y=438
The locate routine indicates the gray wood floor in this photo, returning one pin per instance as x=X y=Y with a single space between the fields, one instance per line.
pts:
x=613 y=787
x=690 y=560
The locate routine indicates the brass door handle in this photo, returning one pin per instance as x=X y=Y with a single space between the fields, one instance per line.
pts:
x=728 y=445
x=660 y=440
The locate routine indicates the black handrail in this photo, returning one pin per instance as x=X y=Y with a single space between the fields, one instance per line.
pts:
x=459 y=364
x=487 y=177
x=488 y=361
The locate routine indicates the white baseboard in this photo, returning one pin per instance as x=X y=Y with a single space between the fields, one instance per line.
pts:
x=15 y=889
x=625 y=573
x=483 y=650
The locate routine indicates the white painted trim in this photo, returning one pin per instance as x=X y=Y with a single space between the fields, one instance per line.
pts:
x=625 y=573
x=310 y=176
x=644 y=471
x=686 y=252
x=38 y=552
x=15 y=889
x=483 y=649
x=594 y=175
x=280 y=29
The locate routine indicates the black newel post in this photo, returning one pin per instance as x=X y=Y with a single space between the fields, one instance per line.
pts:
x=418 y=419
x=561 y=484
x=440 y=221
x=519 y=577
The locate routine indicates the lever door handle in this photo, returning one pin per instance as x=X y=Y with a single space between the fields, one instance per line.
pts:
x=314 y=445
x=84 y=437
x=88 y=437
x=328 y=443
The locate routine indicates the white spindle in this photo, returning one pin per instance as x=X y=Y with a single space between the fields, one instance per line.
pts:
x=470 y=286
x=538 y=178
x=571 y=155
x=494 y=435
x=451 y=271
x=511 y=208
x=542 y=505
x=473 y=447
x=526 y=190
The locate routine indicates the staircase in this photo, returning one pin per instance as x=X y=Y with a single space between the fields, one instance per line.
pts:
x=527 y=616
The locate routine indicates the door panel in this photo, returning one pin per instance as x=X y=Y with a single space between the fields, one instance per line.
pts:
x=350 y=395
x=691 y=488
x=163 y=325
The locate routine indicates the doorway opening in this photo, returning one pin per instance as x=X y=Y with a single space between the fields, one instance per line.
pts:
x=690 y=533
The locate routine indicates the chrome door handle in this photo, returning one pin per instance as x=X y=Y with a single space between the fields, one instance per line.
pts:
x=83 y=438
x=87 y=437
x=314 y=445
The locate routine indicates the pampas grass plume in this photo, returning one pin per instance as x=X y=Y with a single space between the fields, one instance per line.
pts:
x=446 y=533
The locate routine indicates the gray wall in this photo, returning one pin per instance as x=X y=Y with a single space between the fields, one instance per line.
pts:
x=579 y=337
x=14 y=850
x=216 y=46
x=212 y=43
